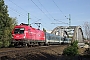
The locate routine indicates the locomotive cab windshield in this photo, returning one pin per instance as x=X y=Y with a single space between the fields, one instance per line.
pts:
x=19 y=31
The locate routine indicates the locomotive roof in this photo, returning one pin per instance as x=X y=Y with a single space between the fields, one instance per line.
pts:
x=25 y=26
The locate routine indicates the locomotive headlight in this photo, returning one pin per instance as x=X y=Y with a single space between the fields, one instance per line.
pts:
x=24 y=37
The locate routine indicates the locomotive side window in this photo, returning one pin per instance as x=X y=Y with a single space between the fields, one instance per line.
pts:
x=19 y=31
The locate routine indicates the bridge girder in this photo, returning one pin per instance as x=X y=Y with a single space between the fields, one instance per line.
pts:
x=76 y=32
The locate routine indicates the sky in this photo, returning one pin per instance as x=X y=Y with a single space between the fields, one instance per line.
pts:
x=47 y=12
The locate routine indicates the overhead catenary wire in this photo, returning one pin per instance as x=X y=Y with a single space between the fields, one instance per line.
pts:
x=17 y=12
x=37 y=6
x=61 y=12
x=31 y=14
x=60 y=21
x=58 y=7
x=40 y=9
x=36 y=21
x=49 y=13
x=45 y=9
x=18 y=6
x=45 y=26
x=22 y=9
x=21 y=14
x=52 y=16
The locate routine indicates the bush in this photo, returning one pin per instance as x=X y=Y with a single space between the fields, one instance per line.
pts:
x=1 y=44
x=6 y=44
x=74 y=44
x=71 y=50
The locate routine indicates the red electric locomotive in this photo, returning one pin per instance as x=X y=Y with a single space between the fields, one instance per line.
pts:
x=24 y=35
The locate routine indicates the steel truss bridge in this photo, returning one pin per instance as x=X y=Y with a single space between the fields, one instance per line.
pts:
x=74 y=32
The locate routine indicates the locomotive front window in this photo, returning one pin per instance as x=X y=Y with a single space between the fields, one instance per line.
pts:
x=19 y=31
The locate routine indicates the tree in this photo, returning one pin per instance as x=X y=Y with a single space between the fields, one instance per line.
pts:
x=6 y=25
x=87 y=30
x=71 y=50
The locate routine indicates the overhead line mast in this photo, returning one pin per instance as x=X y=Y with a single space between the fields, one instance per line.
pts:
x=28 y=20
x=69 y=20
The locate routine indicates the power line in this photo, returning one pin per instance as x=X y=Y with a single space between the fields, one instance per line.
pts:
x=22 y=8
x=17 y=12
x=20 y=12
x=18 y=6
x=40 y=9
x=60 y=21
x=25 y=10
x=58 y=8
x=62 y=12
x=35 y=21
x=45 y=9
x=45 y=26
x=49 y=13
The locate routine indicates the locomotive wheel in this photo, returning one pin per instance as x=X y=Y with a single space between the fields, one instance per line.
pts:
x=16 y=45
x=25 y=45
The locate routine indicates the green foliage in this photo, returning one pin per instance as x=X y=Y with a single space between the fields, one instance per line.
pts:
x=71 y=50
x=1 y=44
x=75 y=44
x=6 y=43
x=6 y=25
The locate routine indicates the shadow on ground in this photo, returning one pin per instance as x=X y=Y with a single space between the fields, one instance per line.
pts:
x=45 y=56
